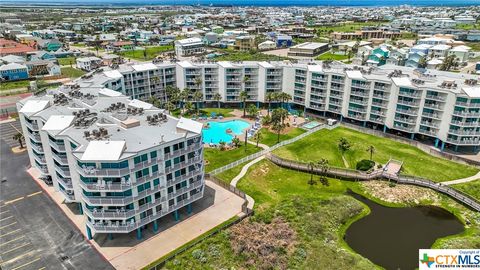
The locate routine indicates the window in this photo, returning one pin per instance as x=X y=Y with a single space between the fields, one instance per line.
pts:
x=141 y=158
x=155 y=168
x=156 y=182
x=168 y=163
x=153 y=154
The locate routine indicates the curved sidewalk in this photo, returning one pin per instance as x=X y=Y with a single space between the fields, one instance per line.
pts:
x=463 y=180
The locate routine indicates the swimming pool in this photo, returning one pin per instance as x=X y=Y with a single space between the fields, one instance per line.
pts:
x=216 y=133
x=311 y=125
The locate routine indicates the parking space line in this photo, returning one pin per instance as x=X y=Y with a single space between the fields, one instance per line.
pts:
x=6 y=218
x=14 y=200
x=15 y=248
x=43 y=268
x=23 y=265
x=1 y=213
x=35 y=193
x=2 y=235
x=13 y=240
x=16 y=259
x=3 y=227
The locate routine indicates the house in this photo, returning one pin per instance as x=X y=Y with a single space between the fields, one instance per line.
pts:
x=378 y=56
x=439 y=50
x=415 y=58
x=308 y=49
x=121 y=46
x=49 y=44
x=283 y=41
x=210 y=38
x=397 y=57
x=244 y=43
x=434 y=63
x=42 y=68
x=13 y=72
x=462 y=53
x=217 y=29
x=12 y=59
x=110 y=59
x=88 y=63
x=41 y=55
x=189 y=46
x=12 y=47
x=267 y=45
x=421 y=48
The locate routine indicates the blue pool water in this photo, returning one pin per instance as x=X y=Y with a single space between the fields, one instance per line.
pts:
x=217 y=131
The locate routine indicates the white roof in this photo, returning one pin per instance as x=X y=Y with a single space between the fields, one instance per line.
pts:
x=265 y=64
x=402 y=81
x=140 y=104
x=185 y=64
x=440 y=47
x=309 y=45
x=114 y=74
x=58 y=122
x=461 y=48
x=103 y=150
x=12 y=66
x=473 y=92
x=109 y=92
x=144 y=67
x=88 y=59
x=34 y=106
x=315 y=68
x=355 y=74
x=189 y=41
x=190 y=125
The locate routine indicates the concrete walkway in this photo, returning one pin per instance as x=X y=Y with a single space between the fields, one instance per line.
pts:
x=463 y=180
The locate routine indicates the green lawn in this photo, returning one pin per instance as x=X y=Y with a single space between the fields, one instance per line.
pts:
x=332 y=56
x=67 y=61
x=474 y=45
x=14 y=85
x=344 y=27
x=225 y=112
x=471 y=188
x=270 y=138
x=217 y=158
x=323 y=144
x=151 y=52
x=468 y=26
x=228 y=175
x=72 y=72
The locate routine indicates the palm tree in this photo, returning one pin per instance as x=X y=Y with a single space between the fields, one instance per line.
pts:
x=19 y=137
x=198 y=82
x=277 y=122
x=217 y=97
x=257 y=137
x=252 y=111
x=170 y=107
x=172 y=93
x=197 y=96
x=270 y=97
x=243 y=97
x=282 y=113
x=343 y=145
x=183 y=95
x=188 y=106
x=311 y=167
x=371 y=150
x=284 y=97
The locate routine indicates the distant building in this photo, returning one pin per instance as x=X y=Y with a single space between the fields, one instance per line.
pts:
x=12 y=47
x=88 y=63
x=365 y=34
x=283 y=41
x=13 y=72
x=245 y=43
x=189 y=46
x=267 y=45
x=49 y=45
x=308 y=49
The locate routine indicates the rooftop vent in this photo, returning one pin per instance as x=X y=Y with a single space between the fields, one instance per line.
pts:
x=471 y=82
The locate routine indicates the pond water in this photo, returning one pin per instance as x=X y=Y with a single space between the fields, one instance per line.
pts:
x=217 y=132
x=391 y=237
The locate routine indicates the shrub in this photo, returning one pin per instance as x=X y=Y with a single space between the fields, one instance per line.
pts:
x=365 y=165
x=379 y=166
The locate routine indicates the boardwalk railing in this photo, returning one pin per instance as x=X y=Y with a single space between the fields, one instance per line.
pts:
x=268 y=150
x=379 y=174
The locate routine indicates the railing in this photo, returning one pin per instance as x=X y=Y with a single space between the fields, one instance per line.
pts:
x=378 y=174
x=57 y=146
x=265 y=151
x=31 y=125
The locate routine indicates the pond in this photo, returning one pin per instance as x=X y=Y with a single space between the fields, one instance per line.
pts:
x=391 y=237
x=217 y=131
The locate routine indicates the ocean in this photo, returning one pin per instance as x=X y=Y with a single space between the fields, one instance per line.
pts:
x=353 y=3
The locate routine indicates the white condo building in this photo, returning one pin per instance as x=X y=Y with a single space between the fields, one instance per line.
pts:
x=124 y=162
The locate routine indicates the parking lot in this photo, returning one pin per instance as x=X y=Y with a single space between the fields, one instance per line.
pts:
x=34 y=232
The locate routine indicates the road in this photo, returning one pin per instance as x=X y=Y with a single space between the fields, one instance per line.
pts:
x=34 y=232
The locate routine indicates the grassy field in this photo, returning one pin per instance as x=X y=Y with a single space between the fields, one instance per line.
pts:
x=332 y=56
x=14 y=85
x=72 y=72
x=474 y=45
x=470 y=188
x=345 y=27
x=151 y=52
x=318 y=214
x=323 y=144
x=468 y=26
x=67 y=61
x=217 y=158
x=225 y=112
x=270 y=138
x=247 y=56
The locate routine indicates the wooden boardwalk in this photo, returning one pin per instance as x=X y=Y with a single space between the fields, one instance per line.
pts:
x=355 y=175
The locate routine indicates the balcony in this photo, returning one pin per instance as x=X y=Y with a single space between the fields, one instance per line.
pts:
x=429 y=124
x=431 y=115
x=185 y=177
x=464 y=123
x=384 y=97
x=379 y=120
x=125 y=227
x=464 y=141
x=65 y=182
x=405 y=120
x=361 y=85
x=37 y=148
x=40 y=159
x=379 y=104
x=466 y=114
x=435 y=97
x=31 y=125
x=408 y=112
x=432 y=106
x=34 y=136
x=403 y=128
x=428 y=132
x=63 y=170
x=357 y=116
x=409 y=94
x=359 y=93
x=464 y=132
x=408 y=103
x=62 y=159
x=334 y=80
x=58 y=147
x=359 y=101
x=42 y=169
x=381 y=113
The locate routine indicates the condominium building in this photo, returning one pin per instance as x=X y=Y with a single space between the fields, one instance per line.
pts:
x=124 y=162
x=189 y=46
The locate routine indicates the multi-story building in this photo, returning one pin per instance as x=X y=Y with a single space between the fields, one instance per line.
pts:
x=124 y=162
x=189 y=46
x=436 y=105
